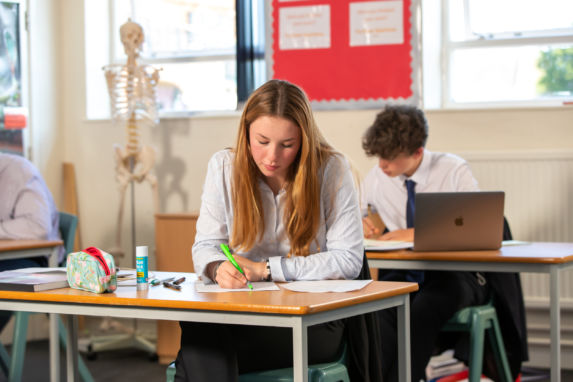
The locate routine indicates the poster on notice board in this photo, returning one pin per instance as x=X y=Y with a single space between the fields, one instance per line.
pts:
x=346 y=54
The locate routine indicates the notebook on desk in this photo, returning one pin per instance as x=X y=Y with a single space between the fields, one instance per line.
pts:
x=458 y=221
x=33 y=279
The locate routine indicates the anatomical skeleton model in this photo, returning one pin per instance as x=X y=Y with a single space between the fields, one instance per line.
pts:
x=132 y=95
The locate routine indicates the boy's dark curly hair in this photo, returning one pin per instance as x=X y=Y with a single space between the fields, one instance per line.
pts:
x=397 y=129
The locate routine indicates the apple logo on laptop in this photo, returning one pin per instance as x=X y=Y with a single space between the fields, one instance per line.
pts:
x=459 y=221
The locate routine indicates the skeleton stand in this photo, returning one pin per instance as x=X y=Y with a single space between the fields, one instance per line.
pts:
x=130 y=339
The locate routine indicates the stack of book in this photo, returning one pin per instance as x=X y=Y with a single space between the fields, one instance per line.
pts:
x=445 y=366
x=33 y=279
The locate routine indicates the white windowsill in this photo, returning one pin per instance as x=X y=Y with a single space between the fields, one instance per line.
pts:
x=185 y=115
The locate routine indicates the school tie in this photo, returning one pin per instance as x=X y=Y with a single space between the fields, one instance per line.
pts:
x=415 y=276
x=410 y=204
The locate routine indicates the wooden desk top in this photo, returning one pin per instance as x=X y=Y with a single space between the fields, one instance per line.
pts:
x=272 y=302
x=534 y=252
x=18 y=245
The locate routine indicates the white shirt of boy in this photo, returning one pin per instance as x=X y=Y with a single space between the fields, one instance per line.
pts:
x=438 y=172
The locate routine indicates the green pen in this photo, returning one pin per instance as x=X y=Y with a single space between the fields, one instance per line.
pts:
x=234 y=262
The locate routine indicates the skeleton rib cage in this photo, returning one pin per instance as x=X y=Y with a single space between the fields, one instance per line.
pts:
x=132 y=96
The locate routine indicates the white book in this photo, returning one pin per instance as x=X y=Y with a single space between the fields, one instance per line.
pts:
x=432 y=373
x=33 y=281
x=386 y=245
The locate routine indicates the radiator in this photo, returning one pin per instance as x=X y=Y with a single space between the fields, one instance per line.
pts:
x=538 y=191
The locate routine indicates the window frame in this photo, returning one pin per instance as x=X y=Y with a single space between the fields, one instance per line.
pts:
x=26 y=133
x=441 y=99
x=248 y=54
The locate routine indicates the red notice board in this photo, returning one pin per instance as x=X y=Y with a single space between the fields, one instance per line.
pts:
x=343 y=51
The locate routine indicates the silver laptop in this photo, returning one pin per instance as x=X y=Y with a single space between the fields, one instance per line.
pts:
x=458 y=221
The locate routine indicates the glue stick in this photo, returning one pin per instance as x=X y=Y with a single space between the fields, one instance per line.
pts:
x=141 y=267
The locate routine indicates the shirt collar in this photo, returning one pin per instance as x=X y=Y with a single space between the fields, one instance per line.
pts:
x=264 y=187
x=422 y=173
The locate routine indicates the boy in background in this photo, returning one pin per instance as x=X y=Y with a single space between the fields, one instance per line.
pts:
x=398 y=137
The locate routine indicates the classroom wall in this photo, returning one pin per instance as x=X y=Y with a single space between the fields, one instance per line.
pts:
x=184 y=145
x=46 y=143
x=60 y=133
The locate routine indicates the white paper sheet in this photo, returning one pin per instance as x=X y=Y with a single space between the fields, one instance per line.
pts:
x=306 y=27
x=326 y=285
x=257 y=287
x=506 y=243
x=386 y=245
x=126 y=273
x=376 y=23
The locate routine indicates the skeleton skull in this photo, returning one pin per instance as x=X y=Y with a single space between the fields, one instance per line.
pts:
x=132 y=39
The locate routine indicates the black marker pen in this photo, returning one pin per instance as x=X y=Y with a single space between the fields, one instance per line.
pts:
x=179 y=281
x=172 y=286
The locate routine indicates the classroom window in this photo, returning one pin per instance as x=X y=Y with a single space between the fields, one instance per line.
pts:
x=13 y=77
x=498 y=52
x=192 y=42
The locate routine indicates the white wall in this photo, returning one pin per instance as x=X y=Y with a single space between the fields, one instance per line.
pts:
x=46 y=147
x=61 y=133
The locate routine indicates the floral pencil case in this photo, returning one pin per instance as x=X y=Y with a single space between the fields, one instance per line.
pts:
x=91 y=269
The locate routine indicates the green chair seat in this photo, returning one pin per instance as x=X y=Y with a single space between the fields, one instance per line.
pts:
x=476 y=320
x=325 y=372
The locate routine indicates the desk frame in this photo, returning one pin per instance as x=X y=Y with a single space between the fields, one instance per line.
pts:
x=298 y=324
x=553 y=269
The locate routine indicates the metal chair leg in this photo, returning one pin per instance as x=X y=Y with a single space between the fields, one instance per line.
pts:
x=18 y=346
x=82 y=368
x=4 y=360
x=496 y=340
x=476 y=349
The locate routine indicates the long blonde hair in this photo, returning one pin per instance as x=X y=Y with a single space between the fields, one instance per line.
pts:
x=282 y=99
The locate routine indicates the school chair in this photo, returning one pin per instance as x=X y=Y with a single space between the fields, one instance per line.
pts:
x=477 y=320
x=68 y=225
x=325 y=372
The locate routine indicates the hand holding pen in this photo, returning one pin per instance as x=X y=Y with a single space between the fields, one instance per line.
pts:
x=232 y=260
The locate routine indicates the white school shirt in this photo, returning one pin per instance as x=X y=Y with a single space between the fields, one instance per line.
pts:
x=339 y=235
x=438 y=172
x=27 y=209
